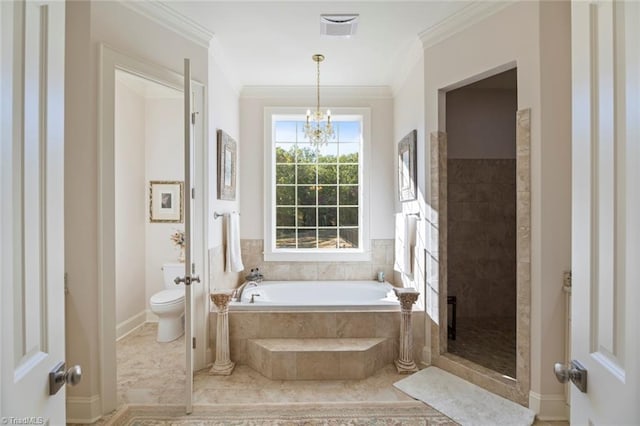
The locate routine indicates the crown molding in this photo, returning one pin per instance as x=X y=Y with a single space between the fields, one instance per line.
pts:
x=164 y=15
x=305 y=92
x=461 y=20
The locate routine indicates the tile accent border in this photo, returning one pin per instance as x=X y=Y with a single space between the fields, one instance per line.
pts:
x=518 y=390
x=523 y=254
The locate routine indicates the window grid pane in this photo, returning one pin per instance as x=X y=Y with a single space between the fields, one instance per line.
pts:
x=317 y=191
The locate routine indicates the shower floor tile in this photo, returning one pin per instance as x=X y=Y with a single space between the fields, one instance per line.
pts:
x=489 y=342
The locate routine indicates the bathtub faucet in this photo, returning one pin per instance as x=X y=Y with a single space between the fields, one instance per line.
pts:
x=239 y=290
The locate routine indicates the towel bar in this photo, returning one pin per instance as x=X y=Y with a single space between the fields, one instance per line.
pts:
x=216 y=215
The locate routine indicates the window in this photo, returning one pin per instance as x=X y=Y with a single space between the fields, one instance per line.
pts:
x=316 y=196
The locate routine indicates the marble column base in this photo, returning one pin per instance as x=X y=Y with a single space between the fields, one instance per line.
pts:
x=222 y=369
x=405 y=367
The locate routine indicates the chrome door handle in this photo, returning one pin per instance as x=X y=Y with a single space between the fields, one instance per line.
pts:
x=574 y=372
x=187 y=280
x=58 y=377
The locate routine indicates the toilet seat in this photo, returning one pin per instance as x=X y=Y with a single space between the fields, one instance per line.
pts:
x=168 y=297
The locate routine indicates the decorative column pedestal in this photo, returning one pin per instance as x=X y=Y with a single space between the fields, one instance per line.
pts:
x=405 y=363
x=223 y=365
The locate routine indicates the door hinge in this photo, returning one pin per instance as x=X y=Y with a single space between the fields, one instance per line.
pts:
x=193 y=268
x=193 y=117
x=193 y=193
x=566 y=281
x=194 y=343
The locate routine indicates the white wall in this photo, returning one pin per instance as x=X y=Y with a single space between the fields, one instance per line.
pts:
x=535 y=37
x=252 y=104
x=130 y=203
x=224 y=106
x=408 y=114
x=148 y=147
x=87 y=25
x=164 y=160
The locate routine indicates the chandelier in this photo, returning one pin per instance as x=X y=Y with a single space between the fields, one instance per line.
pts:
x=315 y=129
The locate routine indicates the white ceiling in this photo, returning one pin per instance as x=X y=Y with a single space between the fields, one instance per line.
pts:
x=268 y=43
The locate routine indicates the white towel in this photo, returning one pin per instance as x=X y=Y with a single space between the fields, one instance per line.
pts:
x=234 y=256
x=405 y=243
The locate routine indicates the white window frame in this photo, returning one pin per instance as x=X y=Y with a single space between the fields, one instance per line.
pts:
x=271 y=253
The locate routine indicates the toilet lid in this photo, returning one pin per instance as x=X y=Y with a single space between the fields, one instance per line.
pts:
x=168 y=296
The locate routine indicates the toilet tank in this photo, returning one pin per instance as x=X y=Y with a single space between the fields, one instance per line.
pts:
x=171 y=271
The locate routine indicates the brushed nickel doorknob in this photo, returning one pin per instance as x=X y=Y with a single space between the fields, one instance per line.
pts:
x=574 y=372
x=58 y=377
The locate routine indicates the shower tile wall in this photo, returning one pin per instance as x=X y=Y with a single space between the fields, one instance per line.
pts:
x=482 y=236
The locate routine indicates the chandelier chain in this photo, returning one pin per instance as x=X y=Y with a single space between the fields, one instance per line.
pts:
x=315 y=130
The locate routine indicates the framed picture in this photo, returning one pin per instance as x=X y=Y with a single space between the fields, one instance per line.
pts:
x=227 y=153
x=165 y=201
x=407 y=171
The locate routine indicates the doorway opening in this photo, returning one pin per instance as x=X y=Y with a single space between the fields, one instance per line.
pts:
x=481 y=222
x=196 y=323
x=148 y=148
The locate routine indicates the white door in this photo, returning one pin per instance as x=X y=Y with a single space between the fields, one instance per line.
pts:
x=606 y=211
x=189 y=278
x=32 y=209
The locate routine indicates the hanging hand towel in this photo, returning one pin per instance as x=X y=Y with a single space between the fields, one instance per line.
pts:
x=404 y=244
x=234 y=256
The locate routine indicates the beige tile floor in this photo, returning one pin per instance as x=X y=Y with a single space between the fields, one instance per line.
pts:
x=153 y=373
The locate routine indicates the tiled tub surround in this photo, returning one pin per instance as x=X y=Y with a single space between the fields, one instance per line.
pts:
x=338 y=326
x=382 y=253
x=482 y=237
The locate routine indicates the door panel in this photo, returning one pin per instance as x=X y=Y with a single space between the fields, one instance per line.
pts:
x=605 y=210
x=32 y=211
x=188 y=219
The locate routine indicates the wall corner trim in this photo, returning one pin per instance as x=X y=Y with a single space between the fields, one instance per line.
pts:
x=549 y=407
x=81 y=409
x=461 y=20
x=170 y=19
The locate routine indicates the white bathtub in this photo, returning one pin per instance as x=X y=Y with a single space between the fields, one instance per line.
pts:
x=318 y=295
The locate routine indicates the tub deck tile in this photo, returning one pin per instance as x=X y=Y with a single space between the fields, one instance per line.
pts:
x=318 y=359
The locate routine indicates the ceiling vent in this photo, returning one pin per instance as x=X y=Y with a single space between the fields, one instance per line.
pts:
x=338 y=25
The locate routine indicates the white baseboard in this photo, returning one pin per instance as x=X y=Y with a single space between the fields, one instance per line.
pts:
x=84 y=410
x=549 y=407
x=131 y=324
x=151 y=317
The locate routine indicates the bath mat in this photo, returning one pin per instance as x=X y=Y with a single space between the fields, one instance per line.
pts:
x=464 y=402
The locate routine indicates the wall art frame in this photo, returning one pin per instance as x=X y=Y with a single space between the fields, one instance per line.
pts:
x=227 y=166
x=166 y=201
x=407 y=168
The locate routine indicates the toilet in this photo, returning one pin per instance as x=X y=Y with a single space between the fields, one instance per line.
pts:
x=168 y=304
